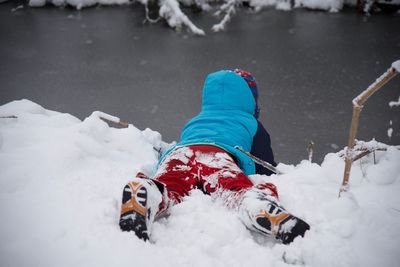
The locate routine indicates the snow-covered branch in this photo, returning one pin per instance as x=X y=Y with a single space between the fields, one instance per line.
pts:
x=229 y=9
x=363 y=148
x=172 y=13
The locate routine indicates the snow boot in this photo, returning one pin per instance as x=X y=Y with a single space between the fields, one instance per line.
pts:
x=261 y=212
x=282 y=225
x=140 y=203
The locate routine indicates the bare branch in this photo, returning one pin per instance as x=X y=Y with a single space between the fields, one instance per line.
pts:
x=260 y=161
x=358 y=103
x=110 y=119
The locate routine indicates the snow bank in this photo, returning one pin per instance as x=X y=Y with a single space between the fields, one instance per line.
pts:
x=204 y=4
x=170 y=9
x=77 y=3
x=60 y=188
x=329 y=5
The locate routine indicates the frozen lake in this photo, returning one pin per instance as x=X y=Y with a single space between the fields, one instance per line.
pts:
x=309 y=66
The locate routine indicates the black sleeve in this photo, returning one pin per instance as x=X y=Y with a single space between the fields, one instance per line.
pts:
x=261 y=148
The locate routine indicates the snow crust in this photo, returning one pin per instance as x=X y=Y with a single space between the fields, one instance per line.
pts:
x=61 y=184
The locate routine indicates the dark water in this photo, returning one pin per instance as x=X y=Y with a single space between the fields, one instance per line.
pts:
x=309 y=66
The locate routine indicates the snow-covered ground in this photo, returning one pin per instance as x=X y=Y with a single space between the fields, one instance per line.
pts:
x=60 y=190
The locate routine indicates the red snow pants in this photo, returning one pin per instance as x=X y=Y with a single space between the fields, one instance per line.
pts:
x=204 y=167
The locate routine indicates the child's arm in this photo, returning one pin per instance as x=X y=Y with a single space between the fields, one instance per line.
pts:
x=261 y=148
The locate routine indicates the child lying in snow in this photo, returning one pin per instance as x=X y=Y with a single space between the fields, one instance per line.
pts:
x=206 y=159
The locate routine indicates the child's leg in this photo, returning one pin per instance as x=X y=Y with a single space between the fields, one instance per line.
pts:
x=218 y=171
x=178 y=174
x=261 y=211
x=144 y=198
x=258 y=205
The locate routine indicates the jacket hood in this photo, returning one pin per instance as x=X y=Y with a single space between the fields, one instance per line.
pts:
x=226 y=90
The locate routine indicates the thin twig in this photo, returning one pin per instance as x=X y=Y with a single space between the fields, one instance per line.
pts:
x=260 y=161
x=310 y=149
x=361 y=155
x=9 y=117
x=110 y=118
x=364 y=152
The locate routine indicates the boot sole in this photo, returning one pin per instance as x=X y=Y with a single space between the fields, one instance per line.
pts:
x=134 y=211
x=134 y=222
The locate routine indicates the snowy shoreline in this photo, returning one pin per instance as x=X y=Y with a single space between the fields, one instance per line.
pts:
x=205 y=5
x=60 y=188
x=171 y=10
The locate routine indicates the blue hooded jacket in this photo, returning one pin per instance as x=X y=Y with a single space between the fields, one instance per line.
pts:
x=226 y=119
